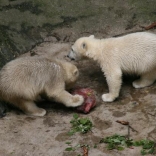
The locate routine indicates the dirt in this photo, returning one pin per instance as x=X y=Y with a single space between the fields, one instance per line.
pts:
x=23 y=135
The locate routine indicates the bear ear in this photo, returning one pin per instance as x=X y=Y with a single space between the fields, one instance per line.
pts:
x=91 y=36
x=84 y=45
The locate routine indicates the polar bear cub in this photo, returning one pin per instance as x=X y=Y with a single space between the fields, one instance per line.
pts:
x=25 y=79
x=133 y=54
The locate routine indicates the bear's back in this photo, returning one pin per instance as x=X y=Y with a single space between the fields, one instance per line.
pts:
x=27 y=74
x=137 y=52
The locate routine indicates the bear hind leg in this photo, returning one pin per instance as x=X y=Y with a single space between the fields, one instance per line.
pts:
x=145 y=80
x=29 y=107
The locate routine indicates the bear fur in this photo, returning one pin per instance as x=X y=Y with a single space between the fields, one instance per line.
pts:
x=25 y=79
x=133 y=54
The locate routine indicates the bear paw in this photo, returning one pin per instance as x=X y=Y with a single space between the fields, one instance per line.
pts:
x=108 y=98
x=77 y=100
x=38 y=112
x=136 y=84
x=142 y=84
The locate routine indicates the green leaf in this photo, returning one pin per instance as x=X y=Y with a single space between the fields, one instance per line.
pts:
x=143 y=152
x=147 y=146
x=83 y=121
x=78 y=146
x=120 y=148
x=116 y=141
x=111 y=146
x=69 y=149
x=75 y=116
x=137 y=143
x=95 y=146
x=70 y=133
x=119 y=142
x=82 y=125
x=68 y=142
x=151 y=151
x=129 y=143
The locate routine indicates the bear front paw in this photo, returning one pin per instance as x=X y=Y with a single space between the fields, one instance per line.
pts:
x=77 y=100
x=108 y=98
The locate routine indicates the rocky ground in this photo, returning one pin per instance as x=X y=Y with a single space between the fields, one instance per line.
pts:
x=25 y=23
x=52 y=27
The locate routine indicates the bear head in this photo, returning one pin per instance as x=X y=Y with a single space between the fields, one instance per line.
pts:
x=71 y=74
x=80 y=48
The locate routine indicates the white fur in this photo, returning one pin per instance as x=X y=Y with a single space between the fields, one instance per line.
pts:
x=24 y=80
x=133 y=53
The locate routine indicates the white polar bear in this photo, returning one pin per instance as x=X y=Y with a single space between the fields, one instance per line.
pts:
x=25 y=79
x=133 y=54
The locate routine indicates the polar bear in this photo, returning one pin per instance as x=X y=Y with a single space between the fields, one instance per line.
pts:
x=133 y=54
x=25 y=79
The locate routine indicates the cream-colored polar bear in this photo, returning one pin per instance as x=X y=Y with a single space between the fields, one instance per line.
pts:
x=24 y=80
x=133 y=53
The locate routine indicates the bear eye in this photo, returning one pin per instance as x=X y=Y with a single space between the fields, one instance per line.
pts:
x=83 y=45
x=72 y=49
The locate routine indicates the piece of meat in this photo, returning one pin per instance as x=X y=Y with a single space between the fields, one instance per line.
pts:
x=89 y=99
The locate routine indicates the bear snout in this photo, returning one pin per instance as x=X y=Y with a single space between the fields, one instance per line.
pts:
x=70 y=57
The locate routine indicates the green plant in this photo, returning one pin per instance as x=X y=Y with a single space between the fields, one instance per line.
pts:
x=73 y=148
x=119 y=142
x=148 y=146
x=82 y=125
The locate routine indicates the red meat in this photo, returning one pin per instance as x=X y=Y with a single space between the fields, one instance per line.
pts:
x=89 y=99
